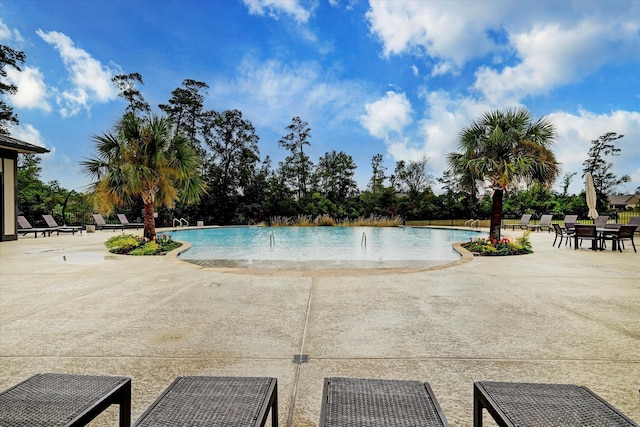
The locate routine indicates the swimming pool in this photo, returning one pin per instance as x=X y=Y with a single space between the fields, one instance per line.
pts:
x=321 y=247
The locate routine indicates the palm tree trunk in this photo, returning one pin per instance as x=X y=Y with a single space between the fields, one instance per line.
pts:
x=149 y=221
x=496 y=214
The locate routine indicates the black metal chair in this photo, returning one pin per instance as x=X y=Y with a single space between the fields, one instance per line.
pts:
x=562 y=234
x=585 y=232
x=626 y=232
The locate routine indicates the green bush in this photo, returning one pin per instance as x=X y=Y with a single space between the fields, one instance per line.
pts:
x=129 y=244
x=482 y=246
x=122 y=244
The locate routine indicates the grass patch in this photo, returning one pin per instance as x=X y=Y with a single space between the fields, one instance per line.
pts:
x=128 y=244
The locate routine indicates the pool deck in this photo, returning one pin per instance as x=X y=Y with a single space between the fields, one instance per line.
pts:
x=555 y=316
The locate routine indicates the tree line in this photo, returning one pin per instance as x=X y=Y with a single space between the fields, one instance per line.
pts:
x=228 y=182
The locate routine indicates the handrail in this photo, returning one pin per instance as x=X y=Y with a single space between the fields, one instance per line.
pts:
x=272 y=240
x=363 y=241
x=472 y=223
x=182 y=222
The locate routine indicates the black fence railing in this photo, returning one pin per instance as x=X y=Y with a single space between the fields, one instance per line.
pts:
x=165 y=218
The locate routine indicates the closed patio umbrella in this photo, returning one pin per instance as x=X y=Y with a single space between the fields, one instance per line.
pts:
x=591 y=196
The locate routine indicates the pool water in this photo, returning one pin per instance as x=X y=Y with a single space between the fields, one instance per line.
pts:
x=321 y=247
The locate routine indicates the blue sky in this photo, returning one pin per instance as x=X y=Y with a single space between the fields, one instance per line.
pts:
x=399 y=78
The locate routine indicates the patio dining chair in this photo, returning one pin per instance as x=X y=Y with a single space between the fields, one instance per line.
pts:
x=625 y=233
x=585 y=232
x=562 y=234
x=635 y=220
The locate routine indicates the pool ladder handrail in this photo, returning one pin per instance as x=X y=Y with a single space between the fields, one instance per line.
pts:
x=272 y=240
x=472 y=223
x=182 y=222
x=363 y=241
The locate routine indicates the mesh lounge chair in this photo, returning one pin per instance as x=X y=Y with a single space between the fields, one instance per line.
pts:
x=26 y=228
x=545 y=222
x=601 y=221
x=377 y=402
x=527 y=404
x=125 y=222
x=61 y=229
x=626 y=232
x=523 y=224
x=101 y=224
x=570 y=222
x=214 y=401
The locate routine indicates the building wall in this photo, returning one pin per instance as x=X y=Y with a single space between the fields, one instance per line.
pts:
x=8 y=184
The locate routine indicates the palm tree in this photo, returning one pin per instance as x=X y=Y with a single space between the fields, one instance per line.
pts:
x=504 y=148
x=143 y=158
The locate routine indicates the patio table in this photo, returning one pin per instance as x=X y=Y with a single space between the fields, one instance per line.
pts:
x=214 y=401
x=60 y=400
x=379 y=403
x=608 y=234
x=544 y=405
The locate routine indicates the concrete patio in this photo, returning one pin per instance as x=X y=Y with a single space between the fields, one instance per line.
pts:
x=557 y=316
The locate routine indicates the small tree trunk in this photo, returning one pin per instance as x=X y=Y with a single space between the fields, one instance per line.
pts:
x=496 y=215
x=149 y=221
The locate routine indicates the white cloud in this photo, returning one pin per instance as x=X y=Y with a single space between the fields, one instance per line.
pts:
x=8 y=34
x=270 y=93
x=453 y=34
x=90 y=79
x=387 y=115
x=576 y=132
x=552 y=56
x=275 y=8
x=32 y=91
x=27 y=133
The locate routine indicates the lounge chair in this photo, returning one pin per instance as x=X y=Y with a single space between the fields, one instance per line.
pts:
x=523 y=224
x=61 y=229
x=101 y=224
x=527 y=404
x=382 y=403
x=64 y=400
x=569 y=222
x=545 y=222
x=586 y=232
x=125 y=222
x=562 y=234
x=601 y=221
x=26 y=228
x=376 y=402
x=214 y=401
x=625 y=233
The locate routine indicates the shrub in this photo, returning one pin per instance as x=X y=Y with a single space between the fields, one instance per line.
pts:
x=122 y=244
x=483 y=246
x=129 y=244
